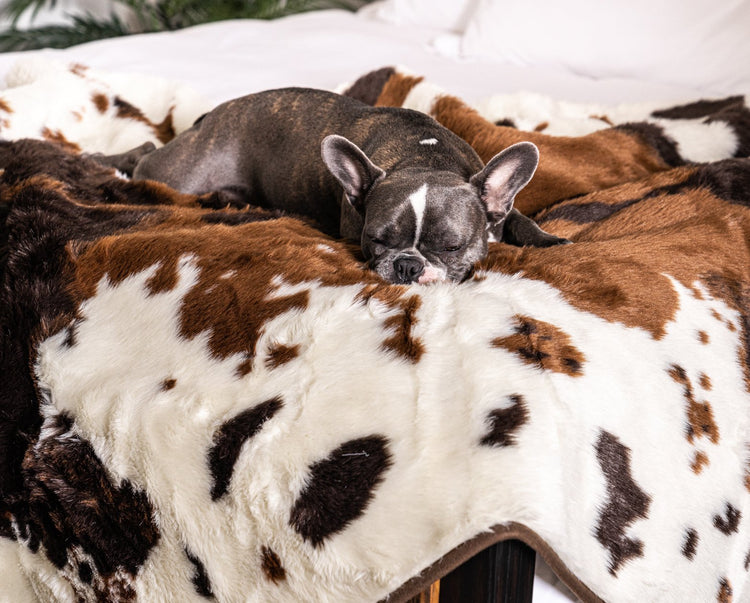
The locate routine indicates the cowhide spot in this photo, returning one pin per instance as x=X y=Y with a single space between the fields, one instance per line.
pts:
x=101 y=101
x=340 y=487
x=271 y=564
x=626 y=502
x=229 y=439
x=280 y=354
x=725 y=591
x=728 y=522
x=400 y=324
x=700 y=416
x=690 y=546
x=87 y=525
x=201 y=581
x=505 y=422
x=543 y=345
x=700 y=460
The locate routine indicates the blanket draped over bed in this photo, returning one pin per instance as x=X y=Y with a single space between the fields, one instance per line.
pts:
x=210 y=402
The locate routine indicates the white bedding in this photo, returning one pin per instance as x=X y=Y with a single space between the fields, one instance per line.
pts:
x=327 y=48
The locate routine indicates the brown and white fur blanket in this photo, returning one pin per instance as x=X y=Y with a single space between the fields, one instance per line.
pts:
x=224 y=403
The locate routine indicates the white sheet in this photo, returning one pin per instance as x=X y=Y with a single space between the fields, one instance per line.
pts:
x=324 y=49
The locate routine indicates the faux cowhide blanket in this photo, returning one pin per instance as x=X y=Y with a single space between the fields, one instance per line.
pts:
x=205 y=402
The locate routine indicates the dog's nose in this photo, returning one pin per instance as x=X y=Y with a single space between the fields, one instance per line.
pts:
x=408 y=269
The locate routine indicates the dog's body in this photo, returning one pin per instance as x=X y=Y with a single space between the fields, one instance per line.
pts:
x=415 y=195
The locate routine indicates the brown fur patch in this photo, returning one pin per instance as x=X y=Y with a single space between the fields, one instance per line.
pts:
x=543 y=345
x=402 y=342
x=705 y=382
x=699 y=461
x=626 y=502
x=79 y=69
x=164 y=130
x=700 y=415
x=725 y=591
x=280 y=354
x=505 y=422
x=603 y=118
x=168 y=384
x=541 y=127
x=101 y=102
x=396 y=89
x=57 y=137
x=271 y=564
x=729 y=522
x=690 y=545
x=4 y=106
x=400 y=324
x=703 y=337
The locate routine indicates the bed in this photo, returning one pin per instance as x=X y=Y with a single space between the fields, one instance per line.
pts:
x=206 y=402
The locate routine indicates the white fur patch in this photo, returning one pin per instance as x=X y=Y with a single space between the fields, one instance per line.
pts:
x=428 y=141
x=418 y=201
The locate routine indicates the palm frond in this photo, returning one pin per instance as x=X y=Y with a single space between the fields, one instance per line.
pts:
x=148 y=16
x=13 y=9
x=82 y=29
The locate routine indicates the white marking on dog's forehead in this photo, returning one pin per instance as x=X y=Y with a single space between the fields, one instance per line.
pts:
x=428 y=141
x=418 y=200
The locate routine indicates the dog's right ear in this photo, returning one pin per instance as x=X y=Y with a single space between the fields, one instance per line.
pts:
x=503 y=176
x=351 y=167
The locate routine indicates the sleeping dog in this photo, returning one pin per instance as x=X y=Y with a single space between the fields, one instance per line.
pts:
x=414 y=195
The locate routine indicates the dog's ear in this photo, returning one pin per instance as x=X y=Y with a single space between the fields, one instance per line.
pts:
x=351 y=167
x=503 y=176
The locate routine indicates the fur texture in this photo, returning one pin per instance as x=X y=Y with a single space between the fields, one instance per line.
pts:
x=223 y=403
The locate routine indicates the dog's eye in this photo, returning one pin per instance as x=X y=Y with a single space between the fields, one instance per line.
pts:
x=379 y=242
x=451 y=248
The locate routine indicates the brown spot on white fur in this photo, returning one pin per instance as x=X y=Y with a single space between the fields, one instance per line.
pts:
x=699 y=461
x=700 y=415
x=281 y=354
x=57 y=137
x=4 y=106
x=101 y=101
x=544 y=345
x=725 y=591
x=271 y=564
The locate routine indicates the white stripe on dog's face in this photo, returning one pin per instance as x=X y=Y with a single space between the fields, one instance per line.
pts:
x=418 y=201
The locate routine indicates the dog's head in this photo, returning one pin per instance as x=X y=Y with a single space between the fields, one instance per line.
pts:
x=423 y=225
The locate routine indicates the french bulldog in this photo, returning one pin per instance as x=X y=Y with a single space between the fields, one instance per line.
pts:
x=414 y=195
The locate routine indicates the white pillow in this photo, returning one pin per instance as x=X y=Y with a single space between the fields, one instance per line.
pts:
x=447 y=15
x=699 y=43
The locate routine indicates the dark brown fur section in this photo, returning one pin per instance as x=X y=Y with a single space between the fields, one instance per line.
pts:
x=229 y=439
x=505 y=422
x=271 y=564
x=626 y=502
x=339 y=488
x=201 y=581
x=690 y=546
x=729 y=522
x=73 y=503
x=725 y=591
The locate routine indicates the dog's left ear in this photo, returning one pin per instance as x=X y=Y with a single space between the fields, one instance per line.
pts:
x=351 y=167
x=503 y=176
